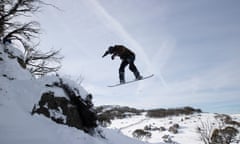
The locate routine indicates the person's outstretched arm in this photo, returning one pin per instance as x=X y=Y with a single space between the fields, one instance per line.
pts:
x=106 y=53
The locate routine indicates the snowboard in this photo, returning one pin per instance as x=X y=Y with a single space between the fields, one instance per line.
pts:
x=127 y=82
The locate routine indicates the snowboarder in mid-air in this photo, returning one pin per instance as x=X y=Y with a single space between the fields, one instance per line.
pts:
x=127 y=57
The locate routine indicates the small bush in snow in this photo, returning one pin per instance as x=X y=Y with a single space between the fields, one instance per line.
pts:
x=225 y=135
x=174 y=129
x=211 y=133
x=140 y=134
x=162 y=129
x=227 y=119
x=168 y=139
x=151 y=128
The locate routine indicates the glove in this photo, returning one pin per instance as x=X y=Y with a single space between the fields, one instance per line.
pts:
x=106 y=53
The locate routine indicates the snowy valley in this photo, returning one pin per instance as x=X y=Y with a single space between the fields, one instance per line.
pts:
x=177 y=126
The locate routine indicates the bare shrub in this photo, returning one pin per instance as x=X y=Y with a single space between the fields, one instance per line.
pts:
x=140 y=134
x=217 y=133
x=174 y=128
x=205 y=130
x=25 y=34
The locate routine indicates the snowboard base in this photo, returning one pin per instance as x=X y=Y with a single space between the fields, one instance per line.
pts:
x=146 y=77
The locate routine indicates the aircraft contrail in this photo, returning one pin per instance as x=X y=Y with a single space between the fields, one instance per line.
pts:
x=114 y=25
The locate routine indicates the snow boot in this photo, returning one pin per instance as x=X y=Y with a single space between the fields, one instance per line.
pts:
x=121 y=77
x=137 y=75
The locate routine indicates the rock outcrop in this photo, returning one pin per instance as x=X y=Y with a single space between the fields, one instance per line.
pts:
x=72 y=110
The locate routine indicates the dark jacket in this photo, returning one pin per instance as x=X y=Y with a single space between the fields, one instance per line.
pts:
x=121 y=51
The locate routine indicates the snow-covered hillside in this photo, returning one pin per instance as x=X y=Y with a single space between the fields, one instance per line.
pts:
x=181 y=129
x=20 y=91
x=186 y=135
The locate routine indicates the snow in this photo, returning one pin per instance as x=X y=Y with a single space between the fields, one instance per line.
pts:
x=187 y=133
x=58 y=114
x=19 y=91
x=10 y=66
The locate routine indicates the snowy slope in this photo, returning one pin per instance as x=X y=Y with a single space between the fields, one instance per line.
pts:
x=19 y=91
x=187 y=131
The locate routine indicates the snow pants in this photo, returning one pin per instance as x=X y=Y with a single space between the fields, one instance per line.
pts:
x=128 y=61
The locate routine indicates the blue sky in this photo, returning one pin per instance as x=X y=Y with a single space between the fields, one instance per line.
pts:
x=191 y=46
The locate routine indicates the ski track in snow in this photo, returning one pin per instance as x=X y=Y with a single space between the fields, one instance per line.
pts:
x=134 y=124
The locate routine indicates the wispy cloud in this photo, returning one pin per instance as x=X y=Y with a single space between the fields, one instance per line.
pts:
x=114 y=25
x=193 y=53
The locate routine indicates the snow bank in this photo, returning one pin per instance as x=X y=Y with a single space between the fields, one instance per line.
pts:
x=10 y=66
